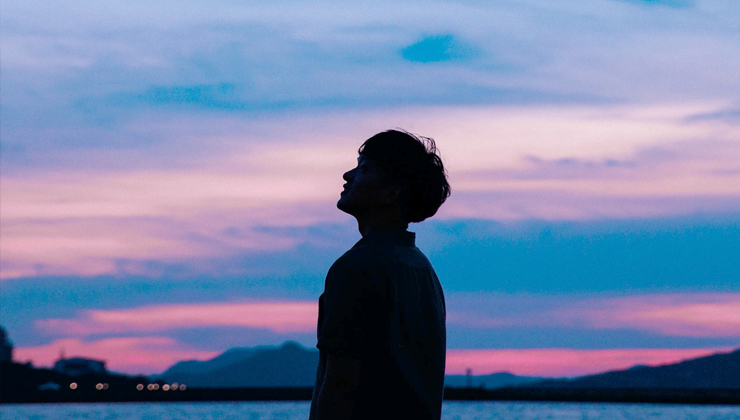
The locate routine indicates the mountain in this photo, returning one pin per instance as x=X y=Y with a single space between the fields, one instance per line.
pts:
x=290 y=365
x=226 y=358
x=717 y=371
x=494 y=380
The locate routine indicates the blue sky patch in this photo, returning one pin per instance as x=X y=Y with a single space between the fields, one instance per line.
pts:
x=210 y=96
x=436 y=48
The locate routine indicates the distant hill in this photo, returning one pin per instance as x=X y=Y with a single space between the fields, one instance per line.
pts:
x=717 y=371
x=226 y=358
x=290 y=365
x=492 y=381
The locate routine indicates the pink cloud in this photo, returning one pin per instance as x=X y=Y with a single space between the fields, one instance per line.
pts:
x=699 y=315
x=75 y=222
x=563 y=362
x=132 y=355
x=708 y=318
x=278 y=316
x=680 y=314
x=97 y=245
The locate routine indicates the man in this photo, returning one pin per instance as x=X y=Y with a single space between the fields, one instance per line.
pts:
x=381 y=329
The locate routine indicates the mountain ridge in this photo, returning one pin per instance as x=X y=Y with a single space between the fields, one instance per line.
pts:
x=292 y=365
x=288 y=365
x=719 y=370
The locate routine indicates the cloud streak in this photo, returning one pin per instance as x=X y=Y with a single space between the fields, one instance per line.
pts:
x=554 y=362
x=280 y=317
x=688 y=314
x=684 y=315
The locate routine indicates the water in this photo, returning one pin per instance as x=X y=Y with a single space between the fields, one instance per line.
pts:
x=493 y=410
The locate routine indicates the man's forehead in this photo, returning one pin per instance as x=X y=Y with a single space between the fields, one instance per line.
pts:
x=369 y=164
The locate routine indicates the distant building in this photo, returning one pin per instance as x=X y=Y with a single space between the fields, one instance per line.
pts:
x=78 y=366
x=6 y=347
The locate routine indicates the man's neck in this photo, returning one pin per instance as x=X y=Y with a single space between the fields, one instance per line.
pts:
x=390 y=223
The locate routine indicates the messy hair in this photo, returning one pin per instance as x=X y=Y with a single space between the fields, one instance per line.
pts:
x=413 y=163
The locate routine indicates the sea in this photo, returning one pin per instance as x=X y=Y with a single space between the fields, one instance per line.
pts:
x=453 y=410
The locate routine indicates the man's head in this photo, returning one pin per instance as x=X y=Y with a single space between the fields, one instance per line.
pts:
x=396 y=169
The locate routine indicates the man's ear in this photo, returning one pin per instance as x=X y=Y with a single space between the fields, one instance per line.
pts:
x=391 y=194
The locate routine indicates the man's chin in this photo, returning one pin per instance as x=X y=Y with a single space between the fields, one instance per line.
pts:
x=342 y=205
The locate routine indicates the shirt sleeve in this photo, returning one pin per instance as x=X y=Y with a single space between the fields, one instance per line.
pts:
x=351 y=308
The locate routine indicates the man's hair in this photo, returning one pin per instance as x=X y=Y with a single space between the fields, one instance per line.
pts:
x=413 y=163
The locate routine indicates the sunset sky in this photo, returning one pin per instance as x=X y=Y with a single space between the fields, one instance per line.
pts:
x=170 y=171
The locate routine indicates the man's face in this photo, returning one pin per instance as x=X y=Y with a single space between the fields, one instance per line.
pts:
x=363 y=191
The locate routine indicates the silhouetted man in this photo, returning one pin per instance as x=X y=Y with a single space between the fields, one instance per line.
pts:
x=381 y=329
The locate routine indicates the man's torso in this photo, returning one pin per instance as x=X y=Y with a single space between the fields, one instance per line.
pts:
x=383 y=305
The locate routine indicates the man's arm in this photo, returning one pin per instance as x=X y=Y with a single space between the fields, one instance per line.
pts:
x=339 y=388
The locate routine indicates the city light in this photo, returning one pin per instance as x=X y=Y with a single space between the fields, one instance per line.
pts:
x=182 y=387
x=73 y=385
x=165 y=387
x=99 y=387
x=139 y=387
x=150 y=387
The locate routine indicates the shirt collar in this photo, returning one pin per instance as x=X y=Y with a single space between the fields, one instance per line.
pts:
x=399 y=237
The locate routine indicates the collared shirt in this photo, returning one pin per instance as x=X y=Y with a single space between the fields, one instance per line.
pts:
x=383 y=305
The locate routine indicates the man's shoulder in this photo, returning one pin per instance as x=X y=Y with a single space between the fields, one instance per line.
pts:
x=355 y=259
x=370 y=256
x=351 y=273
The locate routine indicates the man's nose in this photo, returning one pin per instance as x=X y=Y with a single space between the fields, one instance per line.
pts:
x=349 y=175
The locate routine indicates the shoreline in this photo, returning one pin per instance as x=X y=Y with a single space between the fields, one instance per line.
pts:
x=632 y=395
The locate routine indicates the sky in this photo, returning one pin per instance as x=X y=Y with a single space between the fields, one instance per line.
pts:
x=169 y=173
